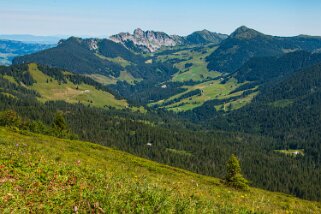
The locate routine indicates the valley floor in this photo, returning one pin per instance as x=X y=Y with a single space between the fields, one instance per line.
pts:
x=49 y=175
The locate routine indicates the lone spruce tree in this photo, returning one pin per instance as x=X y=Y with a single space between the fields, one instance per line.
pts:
x=234 y=178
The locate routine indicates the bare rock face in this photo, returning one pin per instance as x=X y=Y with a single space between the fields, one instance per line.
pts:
x=92 y=44
x=151 y=41
x=147 y=41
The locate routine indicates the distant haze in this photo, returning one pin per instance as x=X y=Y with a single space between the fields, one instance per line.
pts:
x=33 y=39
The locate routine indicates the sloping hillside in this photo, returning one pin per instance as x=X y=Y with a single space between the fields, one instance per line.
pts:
x=288 y=109
x=224 y=94
x=190 y=63
x=289 y=106
x=52 y=84
x=44 y=174
x=100 y=57
x=245 y=43
x=73 y=54
x=265 y=69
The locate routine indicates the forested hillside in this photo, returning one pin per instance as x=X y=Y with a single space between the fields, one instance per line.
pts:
x=245 y=43
x=292 y=103
x=288 y=110
x=262 y=70
x=51 y=84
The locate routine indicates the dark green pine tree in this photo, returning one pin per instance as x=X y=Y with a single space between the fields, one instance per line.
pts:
x=60 y=122
x=234 y=177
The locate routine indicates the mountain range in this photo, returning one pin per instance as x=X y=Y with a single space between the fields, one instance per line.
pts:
x=151 y=41
x=187 y=101
x=146 y=60
x=245 y=43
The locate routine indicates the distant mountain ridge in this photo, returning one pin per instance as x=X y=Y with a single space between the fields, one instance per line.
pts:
x=79 y=55
x=151 y=41
x=99 y=56
x=10 y=49
x=245 y=43
x=52 y=40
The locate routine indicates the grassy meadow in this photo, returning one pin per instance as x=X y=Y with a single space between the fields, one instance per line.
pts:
x=86 y=94
x=213 y=89
x=41 y=174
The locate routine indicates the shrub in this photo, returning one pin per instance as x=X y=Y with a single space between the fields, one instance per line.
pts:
x=234 y=178
x=9 y=118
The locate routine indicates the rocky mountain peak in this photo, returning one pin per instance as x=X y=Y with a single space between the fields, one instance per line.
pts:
x=139 y=32
x=151 y=41
x=147 y=41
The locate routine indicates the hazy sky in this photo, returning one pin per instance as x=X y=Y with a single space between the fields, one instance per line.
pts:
x=106 y=17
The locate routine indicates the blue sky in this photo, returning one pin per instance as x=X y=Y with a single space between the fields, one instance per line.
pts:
x=107 y=17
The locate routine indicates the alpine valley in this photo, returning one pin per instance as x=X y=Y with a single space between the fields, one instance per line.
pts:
x=183 y=101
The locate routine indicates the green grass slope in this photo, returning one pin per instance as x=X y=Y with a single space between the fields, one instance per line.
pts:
x=210 y=90
x=192 y=66
x=41 y=174
x=191 y=63
x=86 y=94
